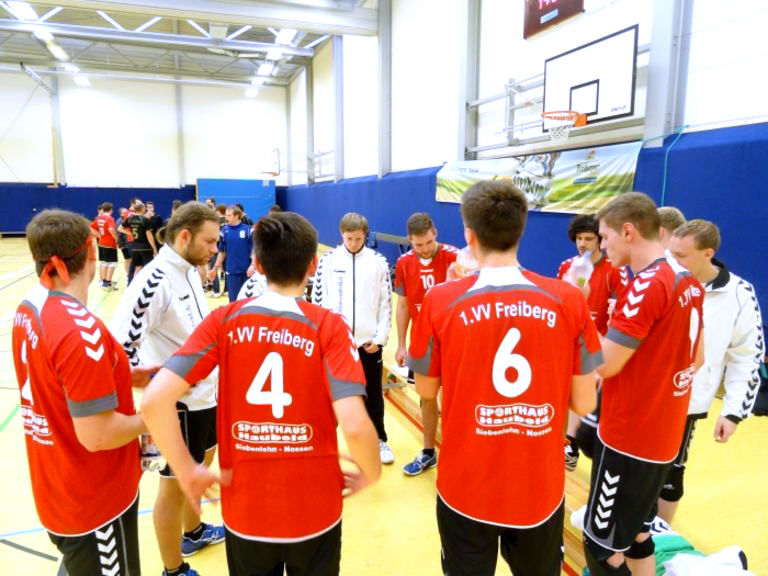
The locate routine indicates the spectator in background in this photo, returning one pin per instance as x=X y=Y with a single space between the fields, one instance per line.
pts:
x=234 y=245
x=144 y=247
x=354 y=281
x=104 y=225
x=155 y=221
x=211 y=203
x=245 y=219
x=124 y=239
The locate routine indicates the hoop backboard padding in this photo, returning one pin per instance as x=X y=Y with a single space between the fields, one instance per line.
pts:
x=597 y=79
x=559 y=123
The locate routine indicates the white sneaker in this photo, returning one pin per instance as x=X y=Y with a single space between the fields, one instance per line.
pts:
x=386 y=455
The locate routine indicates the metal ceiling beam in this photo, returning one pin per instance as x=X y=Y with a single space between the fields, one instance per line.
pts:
x=148 y=38
x=330 y=19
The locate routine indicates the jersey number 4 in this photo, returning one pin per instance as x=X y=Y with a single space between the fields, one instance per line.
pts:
x=504 y=360
x=276 y=397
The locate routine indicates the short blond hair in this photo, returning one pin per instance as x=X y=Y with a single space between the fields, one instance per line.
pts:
x=705 y=234
x=352 y=221
x=633 y=207
x=670 y=218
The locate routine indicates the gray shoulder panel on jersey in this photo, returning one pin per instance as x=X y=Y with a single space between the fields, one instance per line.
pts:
x=340 y=389
x=508 y=288
x=91 y=407
x=182 y=365
x=399 y=290
x=263 y=311
x=421 y=365
x=588 y=361
x=622 y=339
x=37 y=314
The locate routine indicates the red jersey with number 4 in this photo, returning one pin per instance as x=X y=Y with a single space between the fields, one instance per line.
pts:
x=283 y=362
x=605 y=283
x=69 y=366
x=414 y=275
x=644 y=406
x=104 y=223
x=506 y=344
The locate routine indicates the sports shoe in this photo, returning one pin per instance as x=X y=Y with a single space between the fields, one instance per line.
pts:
x=571 y=457
x=186 y=570
x=421 y=463
x=211 y=535
x=386 y=455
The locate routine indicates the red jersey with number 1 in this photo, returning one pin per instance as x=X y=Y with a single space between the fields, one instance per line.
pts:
x=506 y=344
x=644 y=407
x=68 y=366
x=104 y=223
x=415 y=275
x=283 y=362
x=605 y=283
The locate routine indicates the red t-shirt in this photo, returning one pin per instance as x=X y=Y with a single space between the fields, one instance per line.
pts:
x=283 y=362
x=69 y=365
x=414 y=276
x=644 y=406
x=605 y=283
x=103 y=223
x=506 y=344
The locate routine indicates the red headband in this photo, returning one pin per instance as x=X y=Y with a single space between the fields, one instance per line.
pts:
x=57 y=263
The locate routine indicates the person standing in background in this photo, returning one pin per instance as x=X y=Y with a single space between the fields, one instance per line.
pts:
x=104 y=225
x=235 y=245
x=143 y=248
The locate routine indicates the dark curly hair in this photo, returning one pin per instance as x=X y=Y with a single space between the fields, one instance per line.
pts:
x=583 y=223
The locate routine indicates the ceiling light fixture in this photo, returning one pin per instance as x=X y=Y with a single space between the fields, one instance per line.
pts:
x=199 y=28
x=109 y=19
x=50 y=14
x=242 y=30
x=286 y=36
x=258 y=81
x=43 y=35
x=21 y=10
x=265 y=69
x=83 y=81
x=148 y=23
x=251 y=92
x=57 y=51
x=71 y=68
x=274 y=54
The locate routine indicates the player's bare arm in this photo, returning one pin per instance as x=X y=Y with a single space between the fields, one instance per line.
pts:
x=583 y=393
x=615 y=356
x=427 y=386
x=158 y=405
x=141 y=375
x=362 y=441
x=402 y=318
x=107 y=430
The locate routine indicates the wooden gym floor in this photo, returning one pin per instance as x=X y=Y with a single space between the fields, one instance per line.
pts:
x=389 y=529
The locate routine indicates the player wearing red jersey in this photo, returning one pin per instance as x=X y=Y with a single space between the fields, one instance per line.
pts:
x=105 y=228
x=288 y=371
x=80 y=425
x=604 y=285
x=416 y=271
x=512 y=350
x=650 y=353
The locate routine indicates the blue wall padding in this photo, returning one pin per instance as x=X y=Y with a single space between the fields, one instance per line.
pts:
x=20 y=202
x=256 y=196
x=719 y=175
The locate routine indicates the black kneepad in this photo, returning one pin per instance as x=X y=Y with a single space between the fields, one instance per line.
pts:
x=673 y=485
x=640 y=550
x=597 y=560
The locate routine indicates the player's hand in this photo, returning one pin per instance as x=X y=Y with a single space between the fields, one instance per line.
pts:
x=251 y=270
x=724 y=429
x=141 y=375
x=371 y=347
x=400 y=355
x=354 y=479
x=197 y=483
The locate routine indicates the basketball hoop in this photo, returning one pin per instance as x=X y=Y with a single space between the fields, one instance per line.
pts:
x=559 y=123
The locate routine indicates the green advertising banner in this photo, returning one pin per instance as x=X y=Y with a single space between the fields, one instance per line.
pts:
x=575 y=181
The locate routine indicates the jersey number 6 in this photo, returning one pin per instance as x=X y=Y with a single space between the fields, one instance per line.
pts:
x=506 y=358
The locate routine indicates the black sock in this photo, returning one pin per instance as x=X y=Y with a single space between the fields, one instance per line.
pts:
x=196 y=533
x=176 y=571
x=572 y=442
x=429 y=452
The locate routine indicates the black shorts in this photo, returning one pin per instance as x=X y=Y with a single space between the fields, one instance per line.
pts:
x=319 y=556
x=673 y=484
x=198 y=427
x=126 y=250
x=471 y=548
x=103 y=550
x=623 y=495
x=141 y=257
x=107 y=254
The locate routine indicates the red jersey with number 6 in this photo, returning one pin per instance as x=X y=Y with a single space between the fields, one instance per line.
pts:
x=506 y=344
x=69 y=366
x=644 y=406
x=606 y=283
x=283 y=362
x=415 y=275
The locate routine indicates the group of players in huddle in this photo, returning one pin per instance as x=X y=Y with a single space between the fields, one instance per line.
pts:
x=517 y=358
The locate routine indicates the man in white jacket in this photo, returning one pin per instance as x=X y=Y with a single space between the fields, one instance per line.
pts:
x=354 y=281
x=733 y=346
x=158 y=312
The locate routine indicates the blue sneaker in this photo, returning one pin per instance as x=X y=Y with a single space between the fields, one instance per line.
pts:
x=421 y=463
x=185 y=571
x=211 y=535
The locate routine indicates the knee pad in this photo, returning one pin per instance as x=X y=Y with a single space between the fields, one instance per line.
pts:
x=640 y=550
x=597 y=560
x=673 y=485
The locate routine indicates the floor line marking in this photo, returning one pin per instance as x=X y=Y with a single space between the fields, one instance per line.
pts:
x=9 y=418
x=29 y=550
